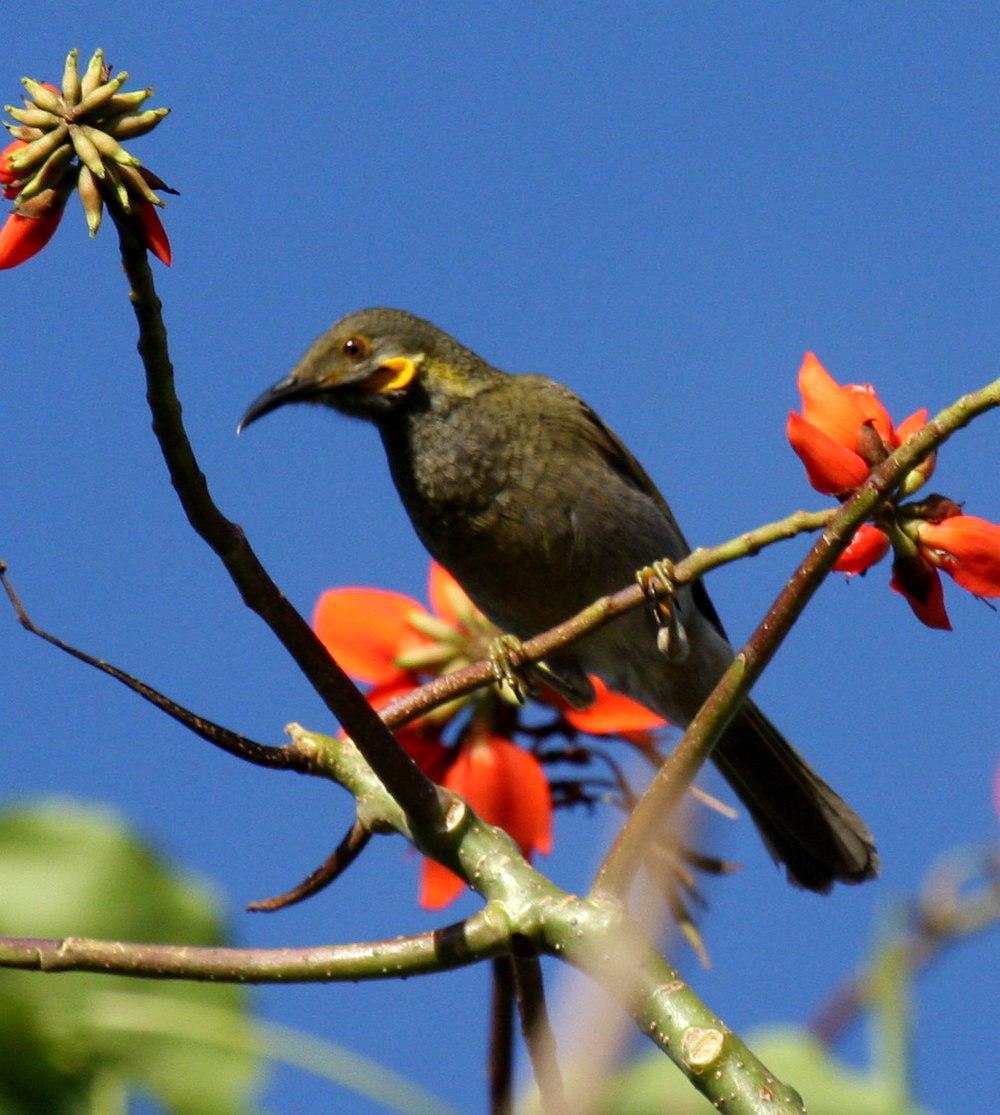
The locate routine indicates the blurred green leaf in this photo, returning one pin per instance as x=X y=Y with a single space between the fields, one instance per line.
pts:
x=653 y=1085
x=66 y=869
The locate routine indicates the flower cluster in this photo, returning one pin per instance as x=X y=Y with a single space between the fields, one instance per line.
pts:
x=844 y=431
x=392 y=643
x=69 y=138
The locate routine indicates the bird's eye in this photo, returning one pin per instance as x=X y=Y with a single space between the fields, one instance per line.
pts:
x=356 y=347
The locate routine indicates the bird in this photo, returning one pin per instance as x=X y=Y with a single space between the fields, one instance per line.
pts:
x=537 y=508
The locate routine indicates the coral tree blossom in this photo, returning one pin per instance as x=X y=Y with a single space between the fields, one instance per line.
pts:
x=843 y=432
x=392 y=643
x=67 y=140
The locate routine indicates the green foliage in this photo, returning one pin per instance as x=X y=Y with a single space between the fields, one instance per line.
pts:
x=74 y=1042
x=652 y=1085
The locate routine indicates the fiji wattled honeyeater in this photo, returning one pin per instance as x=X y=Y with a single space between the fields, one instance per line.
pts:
x=520 y=490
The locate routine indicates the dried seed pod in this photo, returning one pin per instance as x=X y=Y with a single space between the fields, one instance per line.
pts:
x=43 y=98
x=49 y=174
x=95 y=73
x=39 y=149
x=136 y=184
x=128 y=127
x=108 y=147
x=89 y=155
x=90 y=198
x=71 y=79
x=35 y=117
x=100 y=96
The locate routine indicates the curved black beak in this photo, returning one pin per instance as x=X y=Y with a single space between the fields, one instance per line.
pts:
x=287 y=390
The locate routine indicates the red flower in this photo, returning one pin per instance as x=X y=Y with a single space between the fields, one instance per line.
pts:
x=918 y=581
x=844 y=431
x=392 y=642
x=367 y=629
x=612 y=714
x=967 y=548
x=24 y=235
x=506 y=786
x=868 y=546
x=964 y=546
x=8 y=175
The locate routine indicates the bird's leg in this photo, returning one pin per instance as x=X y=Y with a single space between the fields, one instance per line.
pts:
x=506 y=655
x=657 y=582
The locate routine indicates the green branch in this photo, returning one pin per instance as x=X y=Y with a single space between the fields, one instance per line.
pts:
x=455 y=946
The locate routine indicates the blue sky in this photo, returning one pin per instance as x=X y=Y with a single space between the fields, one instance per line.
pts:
x=662 y=207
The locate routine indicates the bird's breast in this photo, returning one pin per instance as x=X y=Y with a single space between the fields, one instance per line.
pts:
x=532 y=525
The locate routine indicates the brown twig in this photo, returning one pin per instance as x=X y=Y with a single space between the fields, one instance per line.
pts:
x=263 y=755
x=340 y=859
x=623 y=860
x=414 y=792
x=500 y=1058
x=537 y=1032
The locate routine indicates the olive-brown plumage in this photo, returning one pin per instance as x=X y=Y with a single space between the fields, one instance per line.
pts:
x=535 y=506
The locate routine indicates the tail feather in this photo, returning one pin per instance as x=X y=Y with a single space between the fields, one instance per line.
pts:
x=806 y=825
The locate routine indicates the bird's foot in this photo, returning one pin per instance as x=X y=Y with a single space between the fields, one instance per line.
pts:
x=657 y=582
x=506 y=655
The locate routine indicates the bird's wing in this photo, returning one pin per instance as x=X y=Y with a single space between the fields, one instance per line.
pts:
x=618 y=456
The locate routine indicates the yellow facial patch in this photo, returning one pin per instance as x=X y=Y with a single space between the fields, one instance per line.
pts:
x=392 y=375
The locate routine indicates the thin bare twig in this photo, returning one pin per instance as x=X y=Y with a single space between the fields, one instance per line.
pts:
x=263 y=755
x=537 y=1032
x=500 y=1057
x=337 y=862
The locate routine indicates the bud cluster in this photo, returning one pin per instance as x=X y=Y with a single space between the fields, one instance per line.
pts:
x=70 y=138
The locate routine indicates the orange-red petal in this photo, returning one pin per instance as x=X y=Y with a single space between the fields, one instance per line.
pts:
x=865 y=398
x=911 y=425
x=968 y=548
x=7 y=173
x=154 y=235
x=612 y=714
x=506 y=786
x=366 y=629
x=828 y=406
x=22 y=237
x=928 y=602
x=832 y=468
x=868 y=546
x=438 y=886
x=447 y=597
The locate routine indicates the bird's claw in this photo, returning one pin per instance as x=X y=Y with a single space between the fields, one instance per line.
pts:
x=657 y=582
x=506 y=655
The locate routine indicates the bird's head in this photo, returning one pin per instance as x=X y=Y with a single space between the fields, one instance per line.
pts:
x=376 y=362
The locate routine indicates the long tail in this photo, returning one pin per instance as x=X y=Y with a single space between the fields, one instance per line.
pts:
x=806 y=825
